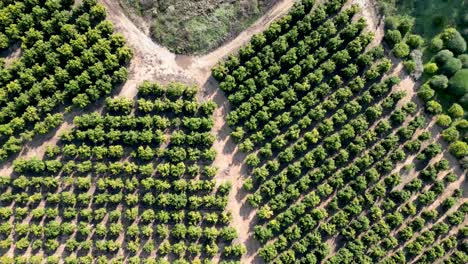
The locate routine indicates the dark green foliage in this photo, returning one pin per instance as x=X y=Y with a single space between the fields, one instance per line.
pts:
x=464 y=60
x=401 y=50
x=453 y=40
x=464 y=101
x=439 y=82
x=451 y=66
x=442 y=56
x=436 y=44
x=425 y=92
x=456 y=111
x=458 y=83
x=393 y=37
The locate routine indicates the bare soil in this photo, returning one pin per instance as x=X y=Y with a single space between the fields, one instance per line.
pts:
x=11 y=54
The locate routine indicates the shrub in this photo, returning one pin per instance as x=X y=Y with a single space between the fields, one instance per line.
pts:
x=464 y=101
x=444 y=120
x=459 y=149
x=425 y=92
x=450 y=134
x=414 y=41
x=464 y=162
x=401 y=50
x=410 y=65
x=406 y=24
x=439 y=82
x=464 y=60
x=433 y=107
x=456 y=111
x=442 y=56
x=393 y=37
x=458 y=83
x=436 y=44
x=451 y=66
x=392 y=23
x=248 y=185
x=453 y=40
x=430 y=68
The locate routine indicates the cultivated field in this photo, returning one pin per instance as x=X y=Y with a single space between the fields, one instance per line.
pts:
x=301 y=140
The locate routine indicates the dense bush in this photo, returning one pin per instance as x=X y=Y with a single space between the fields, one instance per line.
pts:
x=453 y=40
x=451 y=66
x=439 y=82
x=425 y=92
x=401 y=50
x=459 y=149
x=434 y=107
x=393 y=37
x=430 y=68
x=415 y=41
x=456 y=111
x=442 y=57
x=458 y=83
x=450 y=134
x=464 y=60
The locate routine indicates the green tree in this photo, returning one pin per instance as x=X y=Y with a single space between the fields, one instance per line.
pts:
x=433 y=107
x=451 y=66
x=444 y=120
x=458 y=83
x=450 y=134
x=459 y=149
x=401 y=50
x=453 y=40
x=456 y=111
